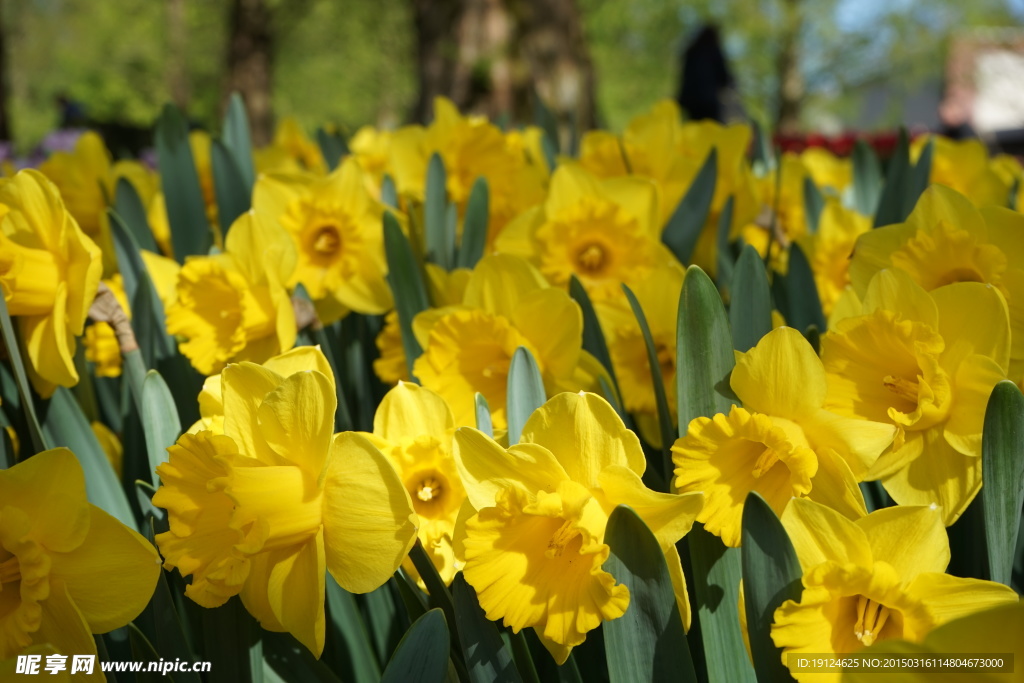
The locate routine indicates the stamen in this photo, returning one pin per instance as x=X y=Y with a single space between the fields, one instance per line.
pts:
x=429 y=489
x=903 y=388
x=871 y=619
x=561 y=538
x=592 y=258
x=765 y=462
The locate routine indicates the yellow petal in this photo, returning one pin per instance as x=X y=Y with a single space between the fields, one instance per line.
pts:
x=554 y=325
x=409 y=411
x=835 y=485
x=639 y=197
x=911 y=539
x=858 y=442
x=298 y=359
x=780 y=376
x=244 y=387
x=668 y=516
x=63 y=625
x=486 y=468
x=50 y=488
x=675 y=572
x=949 y=597
x=296 y=419
x=254 y=594
x=570 y=183
x=498 y=283
x=894 y=290
x=111 y=576
x=975 y=379
x=586 y=435
x=973 y=318
x=369 y=523
x=820 y=534
x=50 y=346
x=295 y=591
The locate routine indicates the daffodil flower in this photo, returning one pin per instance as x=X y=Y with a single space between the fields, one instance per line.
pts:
x=872 y=579
x=67 y=569
x=414 y=427
x=964 y=166
x=49 y=273
x=263 y=509
x=926 y=363
x=828 y=250
x=291 y=151
x=534 y=548
x=234 y=305
x=336 y=227
x=782 y=443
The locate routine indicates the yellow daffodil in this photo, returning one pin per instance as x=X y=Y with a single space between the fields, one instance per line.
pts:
x=291 y=151
x=263 y=509
x=413 y=427
x=781 y=194
x=535 y=546
x=163 y=272
x=964 y=166
x=870 y=580
x=156 y=216
x=201 y=145
x=829 y=172
x=783 y=443
x=67 y=569
x=49 y=273
x=660 y=147
x=234 y=306
x=111 y=445
x=470 y=147
x=946 y=240
x=604 y=232
x=337 y=230
x=372 y=148
x=658 y=295
x=468 y=348
x=829 y=249
x=101 y=345
x=446 y=288
x=211 y=398
x=926 y=363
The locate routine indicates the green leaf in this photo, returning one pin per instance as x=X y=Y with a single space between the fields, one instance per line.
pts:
x=349 y=643
x=750 y=306
x=291 y=660
x=238 y=140
x=725 y=258
x=233 y=197
x=897 y=184
x=594 y=342
x=475 y=225
x=716 y=578
x=333 y=146
x=21 y=379
x=407 y=285
x=814 y=204
x=483 y=415
x=64 y=424
x=704 y=355
x=1002 y=471
x=687 y=221
x=660 y=398
x=918 y=181
x=803 y=306
x=648 y=642
x=439 y=235
x=414 y=599
x=388 y=191
x=544 y=119
x=186 y=210
x=525 y=392
x=771 y=575
x=487 y=658
x=230 y=637
x=129 y=207
x=383 y=620
x=342 y=418
x=159 y=420
x=143 y=651
x=439 y=594
x=422 y=654
x=867 y=179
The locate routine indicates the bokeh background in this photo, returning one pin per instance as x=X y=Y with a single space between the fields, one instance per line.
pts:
x=821 y=66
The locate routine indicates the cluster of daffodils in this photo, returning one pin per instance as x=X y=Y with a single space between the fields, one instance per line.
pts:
x=356 y=407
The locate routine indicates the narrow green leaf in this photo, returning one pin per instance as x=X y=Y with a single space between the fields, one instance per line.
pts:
x=814 y=204
x=143 y=651
x=291 y=660
x=229 y=634
x=594 y=342
x=233 y=196
x=238 y=140
x=1011 y=198
x=133 y=271
x=763 y=155
x=716 y=578
x=333 y=146
x=687 y=221
x=648 y=642
x=661 y=400
x=725 y=258
x=803 y=305
x=64 y=424
x=525 y=392
x=437 y=239
x=186 y=210
x=867 y=179
x=483 y=415
x=901 y=189
x=21 y=379
x=704 y=355
x=422 y=654
x=6 y=448
x=918 y=181
x=342 y=418
x=771 y=575
x=439 y=593
x=750 y=305
x=487 y=658
x=159 y=419
x=349 y=644
x=388 y=191
x=1002 y=471
x=516 y=642
x=129 y=207
x=414 y=599
x=546 y=121
x=407 y=285
x=475 y=225
x=383 y=620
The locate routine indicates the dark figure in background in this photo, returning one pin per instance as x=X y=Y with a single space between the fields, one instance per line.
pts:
x=72 y=113
x=705 y=77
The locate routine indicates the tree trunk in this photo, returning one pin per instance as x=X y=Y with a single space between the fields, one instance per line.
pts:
x=177 y=71
x=437 y=51
x=5 y=121
x=249 y=65
x=791 y=81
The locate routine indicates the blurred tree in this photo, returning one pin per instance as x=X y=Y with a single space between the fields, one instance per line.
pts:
x=5 y=119
x=177 y=39
x=249 y=61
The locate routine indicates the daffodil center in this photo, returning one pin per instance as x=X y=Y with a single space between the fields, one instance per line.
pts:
x=429 y=489
x=561 y=538
x=592 y=258
x=871 y=618
x=904 y=388
x=10 y=570
x=326 y=240
x=765 y=462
